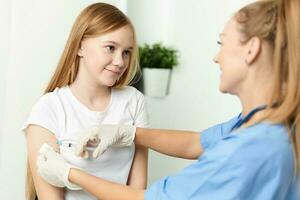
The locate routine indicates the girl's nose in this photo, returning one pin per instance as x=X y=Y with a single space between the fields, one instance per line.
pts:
x=118 y=60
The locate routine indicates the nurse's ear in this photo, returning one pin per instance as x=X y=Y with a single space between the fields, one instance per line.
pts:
x=253 y=50
x=80 y=52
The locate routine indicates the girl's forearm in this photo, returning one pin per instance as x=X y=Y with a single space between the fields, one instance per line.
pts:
x=182 y=144
x=104 y=189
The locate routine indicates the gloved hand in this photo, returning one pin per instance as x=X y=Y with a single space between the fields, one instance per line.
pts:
x=54 y=169
x=105 y=136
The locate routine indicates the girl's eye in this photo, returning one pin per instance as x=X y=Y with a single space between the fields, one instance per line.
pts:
x=110 y=48
x=127 y=53
x=219 y=43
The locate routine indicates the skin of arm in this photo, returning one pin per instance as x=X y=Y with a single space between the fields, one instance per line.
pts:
x=36 y=136
x=138 y=173
x=182 y=144
x=103 y=189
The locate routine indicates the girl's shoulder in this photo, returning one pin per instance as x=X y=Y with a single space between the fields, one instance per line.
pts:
x=52 y=97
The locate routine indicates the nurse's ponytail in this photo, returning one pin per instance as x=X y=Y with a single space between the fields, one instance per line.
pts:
x=278 y=22
x=287 y=63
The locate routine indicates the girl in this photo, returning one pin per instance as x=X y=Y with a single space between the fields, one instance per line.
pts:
x=89 y=88
x=254 y=155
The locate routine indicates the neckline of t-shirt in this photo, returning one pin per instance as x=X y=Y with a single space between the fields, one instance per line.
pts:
x=84 y=108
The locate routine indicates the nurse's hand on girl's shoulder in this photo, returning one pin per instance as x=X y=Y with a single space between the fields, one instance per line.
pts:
x=104 y=136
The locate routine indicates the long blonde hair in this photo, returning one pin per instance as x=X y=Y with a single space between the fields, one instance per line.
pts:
x=277 y=22
x=95 y=20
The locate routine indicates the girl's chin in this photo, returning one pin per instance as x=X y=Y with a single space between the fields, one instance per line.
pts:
x=110 y=83
x=106 y=83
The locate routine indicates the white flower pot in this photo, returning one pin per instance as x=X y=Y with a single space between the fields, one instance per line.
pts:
x=156 y=82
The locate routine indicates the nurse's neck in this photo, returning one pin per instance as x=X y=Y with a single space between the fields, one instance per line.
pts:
x=249 y=105
x=256 y=89
x=255 y=97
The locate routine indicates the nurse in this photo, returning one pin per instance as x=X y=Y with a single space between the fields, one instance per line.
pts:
x=252 y=156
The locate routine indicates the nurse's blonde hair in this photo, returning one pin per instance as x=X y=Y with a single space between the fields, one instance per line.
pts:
x=95 y=20
x=278 y=23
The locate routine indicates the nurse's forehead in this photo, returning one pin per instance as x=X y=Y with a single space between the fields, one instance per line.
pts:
x=230 y=32
x=230 y=26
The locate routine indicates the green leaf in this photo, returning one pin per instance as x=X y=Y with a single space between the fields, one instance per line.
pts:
x=157 y=56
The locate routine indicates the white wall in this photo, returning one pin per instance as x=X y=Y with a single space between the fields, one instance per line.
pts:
x=34 y=33
x=5 y=21
x=5 y=35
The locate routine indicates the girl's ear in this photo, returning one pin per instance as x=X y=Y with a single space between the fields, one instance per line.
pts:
x=254 y=47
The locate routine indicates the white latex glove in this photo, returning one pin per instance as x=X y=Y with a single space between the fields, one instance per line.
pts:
x=53 y=168
x=103 y=137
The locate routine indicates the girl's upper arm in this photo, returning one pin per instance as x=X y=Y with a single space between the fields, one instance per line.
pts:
x=36 y=136
x=139 y=169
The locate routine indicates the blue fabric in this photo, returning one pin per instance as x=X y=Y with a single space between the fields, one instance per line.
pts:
x=213 y=134
x=254 y=163
x=244 y=119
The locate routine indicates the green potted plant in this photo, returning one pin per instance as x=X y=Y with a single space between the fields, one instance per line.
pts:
x=157 y=61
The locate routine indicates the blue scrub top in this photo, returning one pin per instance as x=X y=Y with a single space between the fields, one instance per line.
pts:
x=254 y=163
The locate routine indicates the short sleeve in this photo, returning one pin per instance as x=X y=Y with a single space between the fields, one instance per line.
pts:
x=43 y=114
x=236 y=168
x=141 y=115
x=215 y=133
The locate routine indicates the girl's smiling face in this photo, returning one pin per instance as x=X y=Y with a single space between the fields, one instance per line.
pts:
x=105 y=58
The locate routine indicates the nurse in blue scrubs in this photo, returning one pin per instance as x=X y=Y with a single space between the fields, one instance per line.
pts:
x=255 y=155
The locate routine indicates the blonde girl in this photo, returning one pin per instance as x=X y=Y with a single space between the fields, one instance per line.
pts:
x=90 y=88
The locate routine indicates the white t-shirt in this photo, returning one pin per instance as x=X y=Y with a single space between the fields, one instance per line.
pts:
x=62 y=114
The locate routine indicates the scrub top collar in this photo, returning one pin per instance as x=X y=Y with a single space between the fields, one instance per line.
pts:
x=242 y=120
